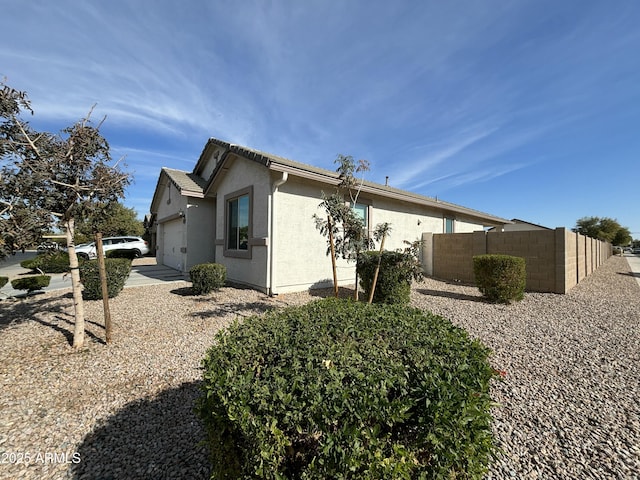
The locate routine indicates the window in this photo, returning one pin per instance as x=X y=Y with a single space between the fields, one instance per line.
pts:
x=448 y=225
x=238 y=224
x=361 y=211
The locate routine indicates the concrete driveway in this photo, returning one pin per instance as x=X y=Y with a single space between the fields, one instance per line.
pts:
x=144 y=271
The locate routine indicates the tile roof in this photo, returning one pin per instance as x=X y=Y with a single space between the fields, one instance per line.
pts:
x=186 y=181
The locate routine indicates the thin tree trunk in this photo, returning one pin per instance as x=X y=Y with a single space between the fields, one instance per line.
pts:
x=333 y=256
x=78 y=306
x=105 y=290
x=377 y=271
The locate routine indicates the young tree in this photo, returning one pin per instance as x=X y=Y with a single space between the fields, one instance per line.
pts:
x=346 y=231
x=58 y=177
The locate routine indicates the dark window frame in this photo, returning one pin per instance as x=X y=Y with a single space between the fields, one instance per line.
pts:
x=233 y=196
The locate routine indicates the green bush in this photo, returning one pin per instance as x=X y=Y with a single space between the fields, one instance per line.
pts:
x=500 y=278
x=56 y=262
x=121 y=253
x=31 y=284
x=346 y=390
x=3 y=281
x=397 y=271
x=207 y=277
x=117 y=270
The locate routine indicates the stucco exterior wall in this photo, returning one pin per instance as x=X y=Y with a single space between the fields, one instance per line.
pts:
x=300 y=255
x=171 y=202
x=201 y=228
x=300 y=260
x=244 y=173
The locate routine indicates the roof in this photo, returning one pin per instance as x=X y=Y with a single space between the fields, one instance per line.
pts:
x=191 y=184
x=186 y=182
x=281 y=164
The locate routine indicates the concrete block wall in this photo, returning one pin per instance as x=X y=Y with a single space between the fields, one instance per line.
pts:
x=556 y=260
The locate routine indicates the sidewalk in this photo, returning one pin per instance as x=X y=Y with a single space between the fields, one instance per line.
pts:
x=634 y=264
x=144 y=271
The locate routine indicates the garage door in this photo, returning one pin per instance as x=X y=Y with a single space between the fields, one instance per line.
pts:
x=171 y=244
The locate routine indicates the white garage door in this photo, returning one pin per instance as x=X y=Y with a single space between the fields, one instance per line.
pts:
x=171 y=244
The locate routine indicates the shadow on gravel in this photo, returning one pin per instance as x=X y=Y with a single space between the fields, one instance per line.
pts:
x=630 y=274
x=183 y=292
x=241 y=309
x=155 y=438
x=456 y=296
x=49 y=312
x=24 y=309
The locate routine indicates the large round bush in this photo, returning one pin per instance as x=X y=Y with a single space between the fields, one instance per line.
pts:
x=345 y=390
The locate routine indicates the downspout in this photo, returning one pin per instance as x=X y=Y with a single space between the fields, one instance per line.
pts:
x=271 y=252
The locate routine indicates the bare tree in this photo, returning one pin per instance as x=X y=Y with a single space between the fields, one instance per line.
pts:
x=56 y=177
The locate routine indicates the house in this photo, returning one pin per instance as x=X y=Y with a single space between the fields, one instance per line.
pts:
x=253 y=212
x=518 y=225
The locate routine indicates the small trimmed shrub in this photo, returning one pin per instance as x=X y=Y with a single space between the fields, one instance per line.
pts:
x=397 y=271
x=117 y=270
x=207 y=277
x=56 y=262
x=500 y=278
x=31 y=284
x=346 y=390
x=3 y=281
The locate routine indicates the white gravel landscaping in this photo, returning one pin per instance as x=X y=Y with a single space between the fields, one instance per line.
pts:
x=568 y=405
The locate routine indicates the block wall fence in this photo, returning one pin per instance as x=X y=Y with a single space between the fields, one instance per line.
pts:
x=556 y=260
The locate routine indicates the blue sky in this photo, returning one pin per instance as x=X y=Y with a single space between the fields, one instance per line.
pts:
x=522 y=109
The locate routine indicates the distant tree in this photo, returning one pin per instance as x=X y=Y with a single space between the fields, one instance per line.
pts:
x=57 y=178
x=113 y=219
x=606 y=229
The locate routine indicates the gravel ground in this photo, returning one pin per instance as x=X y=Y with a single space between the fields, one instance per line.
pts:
x=568 y=406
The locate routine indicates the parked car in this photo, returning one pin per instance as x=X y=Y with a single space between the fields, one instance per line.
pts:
x=46 y=247
x=135 y=245
x=636 y=250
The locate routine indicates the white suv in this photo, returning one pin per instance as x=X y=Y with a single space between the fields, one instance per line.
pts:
x=136 y=245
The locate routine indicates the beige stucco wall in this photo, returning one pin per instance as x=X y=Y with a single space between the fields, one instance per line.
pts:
x=201 y=227
x=300 y=250
x=171 y=202
x=244 y=173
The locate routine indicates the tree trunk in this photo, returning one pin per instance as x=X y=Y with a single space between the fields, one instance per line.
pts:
x=78 y=306
x=377 y=271
x=105 y=289
x=333 y=256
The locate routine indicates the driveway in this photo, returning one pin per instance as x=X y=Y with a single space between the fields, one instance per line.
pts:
x=144 y=271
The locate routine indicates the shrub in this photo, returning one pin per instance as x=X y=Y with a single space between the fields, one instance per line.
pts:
x=31 y=284
x=55 y=262
x=341 y=389
x=206 y=277
x=500 y=278
x=397 y=270
x=3 y=281
x=121 y=253
x=117 y=270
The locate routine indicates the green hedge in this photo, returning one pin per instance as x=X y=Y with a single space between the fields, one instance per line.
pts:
x=31 y=284
x=3 y=281
x=500 y=278
x=346 y=390
x=122 y=253
x=207 y=277
x=117 y=270
x=397 y=271
x=57 y=262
